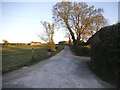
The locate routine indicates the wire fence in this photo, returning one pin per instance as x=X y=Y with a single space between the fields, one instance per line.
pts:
x=15 y=60
x=11 y=61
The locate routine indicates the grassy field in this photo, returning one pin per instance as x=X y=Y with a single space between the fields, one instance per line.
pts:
x=19 y=47
x=14 y=57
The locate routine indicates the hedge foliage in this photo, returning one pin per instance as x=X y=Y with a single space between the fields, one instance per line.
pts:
x=81 y=49
x=106 y=54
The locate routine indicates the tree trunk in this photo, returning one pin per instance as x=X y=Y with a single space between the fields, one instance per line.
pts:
x=71 y=33
x=78 y=36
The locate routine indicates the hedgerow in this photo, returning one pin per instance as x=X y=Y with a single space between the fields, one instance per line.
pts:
x=105 y=55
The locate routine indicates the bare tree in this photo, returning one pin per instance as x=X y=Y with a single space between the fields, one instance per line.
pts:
x=78 y=18
x=48 y=34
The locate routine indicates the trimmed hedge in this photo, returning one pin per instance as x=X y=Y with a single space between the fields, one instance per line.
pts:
x=80 y=50
x=105 y=55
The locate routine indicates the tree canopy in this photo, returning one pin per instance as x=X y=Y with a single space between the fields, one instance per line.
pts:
x=79 y=19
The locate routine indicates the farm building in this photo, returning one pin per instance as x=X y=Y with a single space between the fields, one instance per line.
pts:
x=35 y=43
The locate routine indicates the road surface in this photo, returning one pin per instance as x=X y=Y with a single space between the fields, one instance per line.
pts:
x=63 y=70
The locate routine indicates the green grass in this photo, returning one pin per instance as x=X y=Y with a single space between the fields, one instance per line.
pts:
x=5 y=52
x=22 y=58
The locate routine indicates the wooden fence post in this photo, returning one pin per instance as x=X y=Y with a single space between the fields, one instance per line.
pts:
x=33 y=54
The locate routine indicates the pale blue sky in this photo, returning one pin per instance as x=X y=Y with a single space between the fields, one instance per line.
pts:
x=21 y=20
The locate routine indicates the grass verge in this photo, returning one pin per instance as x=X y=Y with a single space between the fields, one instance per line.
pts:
x=101 y=73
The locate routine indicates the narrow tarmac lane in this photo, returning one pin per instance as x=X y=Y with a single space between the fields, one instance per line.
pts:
x=63 y=70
